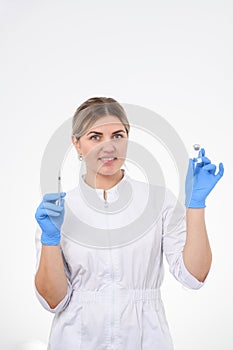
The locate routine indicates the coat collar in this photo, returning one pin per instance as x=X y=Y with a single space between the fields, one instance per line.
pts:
x=112 y=193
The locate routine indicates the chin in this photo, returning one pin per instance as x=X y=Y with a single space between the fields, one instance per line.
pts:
x=109 y=171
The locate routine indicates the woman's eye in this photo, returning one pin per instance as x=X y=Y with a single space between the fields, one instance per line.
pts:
x=93 y=136
x=118 y=135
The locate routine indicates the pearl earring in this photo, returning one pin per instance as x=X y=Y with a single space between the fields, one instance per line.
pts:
x=80 y=157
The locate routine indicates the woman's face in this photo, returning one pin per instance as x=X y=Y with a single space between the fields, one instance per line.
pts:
x=107 y=138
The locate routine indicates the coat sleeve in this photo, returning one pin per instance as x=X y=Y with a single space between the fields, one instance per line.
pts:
x=173 y=241
x=65 y=301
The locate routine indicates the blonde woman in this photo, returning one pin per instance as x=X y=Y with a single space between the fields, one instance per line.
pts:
x=107 y=295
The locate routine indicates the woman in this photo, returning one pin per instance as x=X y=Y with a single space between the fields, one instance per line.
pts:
x=94 y=270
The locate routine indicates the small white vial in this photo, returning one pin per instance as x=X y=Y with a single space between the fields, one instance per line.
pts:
x=197 y=148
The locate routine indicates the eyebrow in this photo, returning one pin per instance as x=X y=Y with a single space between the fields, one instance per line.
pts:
x=100 y=133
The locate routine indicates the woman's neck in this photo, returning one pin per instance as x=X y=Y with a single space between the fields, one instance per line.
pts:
x=103 y=181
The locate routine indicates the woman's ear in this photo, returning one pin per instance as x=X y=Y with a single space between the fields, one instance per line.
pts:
x=76 y=144
x=74 y=140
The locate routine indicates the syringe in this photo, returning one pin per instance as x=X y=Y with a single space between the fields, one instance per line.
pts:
x=58 y=202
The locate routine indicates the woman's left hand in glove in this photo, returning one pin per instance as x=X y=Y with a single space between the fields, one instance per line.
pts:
x=200 y=180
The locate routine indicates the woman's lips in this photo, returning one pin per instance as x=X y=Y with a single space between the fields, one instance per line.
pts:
x=106 y=161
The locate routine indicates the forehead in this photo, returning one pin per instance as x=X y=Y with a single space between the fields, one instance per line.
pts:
x=106 y=122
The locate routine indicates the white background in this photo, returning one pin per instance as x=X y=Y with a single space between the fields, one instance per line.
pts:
x=173 y=57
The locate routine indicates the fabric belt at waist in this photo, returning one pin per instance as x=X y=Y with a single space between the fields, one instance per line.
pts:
x=125 y=295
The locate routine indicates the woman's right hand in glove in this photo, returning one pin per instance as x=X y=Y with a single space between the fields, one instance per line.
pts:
x=50 y=217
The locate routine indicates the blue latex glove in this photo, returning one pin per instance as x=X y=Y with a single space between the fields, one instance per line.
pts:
x=200 y=180
x=50 y=218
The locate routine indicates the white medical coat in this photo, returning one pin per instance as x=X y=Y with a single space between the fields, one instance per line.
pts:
x=113 y=299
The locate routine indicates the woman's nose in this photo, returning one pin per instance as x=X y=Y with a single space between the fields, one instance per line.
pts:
x=108 y=145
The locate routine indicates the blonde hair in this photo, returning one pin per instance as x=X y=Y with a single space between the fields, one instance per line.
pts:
x=93 y=109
